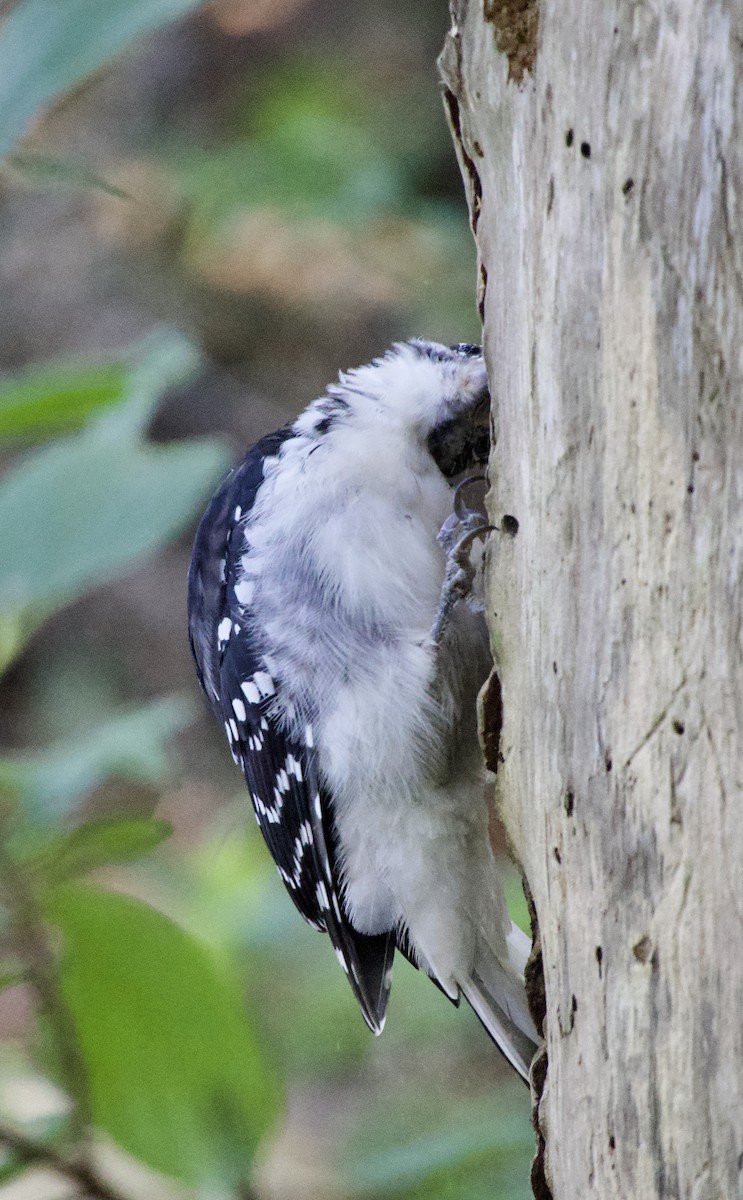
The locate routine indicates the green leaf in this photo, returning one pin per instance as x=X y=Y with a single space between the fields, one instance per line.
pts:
x=11 y=974
x=96 y=844
x=174 y=1071
x=11 y=1166
x=15 y=630
x=407 y=1148
x=518 y=909
x=57 y=398
x=38 y=168
x=396 y=1168
x=159 y=361
x=78 y=512
x=129 y=744
x=48 y=46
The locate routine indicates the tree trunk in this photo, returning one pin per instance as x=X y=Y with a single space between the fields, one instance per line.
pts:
x=602 y=149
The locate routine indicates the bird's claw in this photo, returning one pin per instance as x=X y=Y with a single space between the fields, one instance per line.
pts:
x=456 y=536
x=463 y=519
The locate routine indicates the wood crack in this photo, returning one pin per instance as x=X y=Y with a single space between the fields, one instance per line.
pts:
x=663 y=716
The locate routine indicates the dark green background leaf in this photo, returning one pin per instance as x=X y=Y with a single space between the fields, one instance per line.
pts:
x=96 y=844
x=56 y=398
x=413 y=1150
x=79 y=511
x=174 y=1071
x=130 y=744
x=47 y=46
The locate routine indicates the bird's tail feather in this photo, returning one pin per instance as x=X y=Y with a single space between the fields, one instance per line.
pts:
x=496 y=992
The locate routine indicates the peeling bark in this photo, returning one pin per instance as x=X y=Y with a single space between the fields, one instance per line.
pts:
x=602 y=151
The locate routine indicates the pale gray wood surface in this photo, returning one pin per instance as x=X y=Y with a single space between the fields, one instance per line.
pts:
x=604 y=166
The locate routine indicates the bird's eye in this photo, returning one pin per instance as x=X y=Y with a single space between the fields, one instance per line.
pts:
x=466 y=348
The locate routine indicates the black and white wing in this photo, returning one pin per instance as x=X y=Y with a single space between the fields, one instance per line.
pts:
x=292 y=808
x=207 y=573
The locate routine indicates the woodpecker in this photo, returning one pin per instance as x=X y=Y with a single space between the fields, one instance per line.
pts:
x=336 y=620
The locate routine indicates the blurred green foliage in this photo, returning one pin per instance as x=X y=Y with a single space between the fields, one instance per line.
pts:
x=178 y=1022
x=148 y=1035
x=173 y=1070
x=424 y=1156
x=304 y=145
x=49 y=782
x=90 y=503
x=43 y=400
x=309 y=149
x=47 y=47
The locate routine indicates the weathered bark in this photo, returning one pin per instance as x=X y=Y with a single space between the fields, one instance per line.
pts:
x=602 y=148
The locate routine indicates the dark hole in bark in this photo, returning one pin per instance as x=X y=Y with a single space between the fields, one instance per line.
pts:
x=509 y=525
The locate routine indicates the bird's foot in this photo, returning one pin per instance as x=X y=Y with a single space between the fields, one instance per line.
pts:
x=457 y=536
